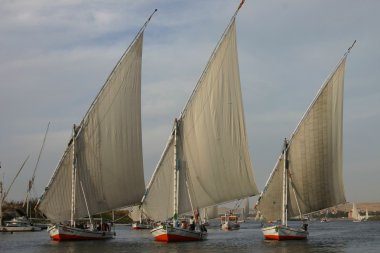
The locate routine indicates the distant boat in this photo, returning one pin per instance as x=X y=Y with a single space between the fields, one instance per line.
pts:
x=325 y=219
x=26 y=203
x=366 y=215
x=19 y=224
x=3 y=196
x=206 y=161
x=141 y=225
x=102 y=167
x=356 y=217
x=308 y=174
x=139 y=221
x=229 y=222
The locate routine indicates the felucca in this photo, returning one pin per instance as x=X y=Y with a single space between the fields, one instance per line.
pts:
x=308 y=174
x=102 y=167
x=206 y=160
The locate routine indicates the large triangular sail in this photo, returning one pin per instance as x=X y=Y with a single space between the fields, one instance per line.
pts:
x=314 y=157
x=214 y=162
x=108 y=148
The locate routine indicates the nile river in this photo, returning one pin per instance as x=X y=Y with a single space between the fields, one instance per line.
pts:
x=334 y=236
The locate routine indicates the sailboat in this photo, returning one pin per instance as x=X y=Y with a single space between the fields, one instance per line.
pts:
x=17 y=224
x=325 y=218
x=207 y=150
x=102 y=167
x=139 y=221
x=308 y=174
x=26 y=203
x=231 y=219
x=356 y=217
x=366 y=217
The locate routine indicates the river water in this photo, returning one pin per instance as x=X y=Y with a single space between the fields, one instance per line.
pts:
x=334 y=236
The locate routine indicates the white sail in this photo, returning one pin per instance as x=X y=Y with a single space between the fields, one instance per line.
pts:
x=212 y=149
x=355 y=213
x=158 y=201
x=209 y=213
x=314 y=157
x=108 y=148
x=135 y=213
x=212 y=212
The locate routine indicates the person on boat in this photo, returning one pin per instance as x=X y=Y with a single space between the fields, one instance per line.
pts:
x=105 y=227
x=184 y=224
x=192 y=223
x=196 y=215
x=304 y=226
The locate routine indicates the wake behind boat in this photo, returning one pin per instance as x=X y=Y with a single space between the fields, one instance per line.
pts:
x=102 y=167
x=207 y=150
x=308 y=174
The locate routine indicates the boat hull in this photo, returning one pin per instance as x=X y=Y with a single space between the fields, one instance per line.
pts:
x=227 y=226
x=284 y=233
x=19 y=224
x=138 y=226
x=65 y=233
x=20 y=229
x=172 y=234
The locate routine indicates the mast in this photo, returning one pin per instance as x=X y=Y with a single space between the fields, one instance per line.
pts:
x=284 y=219
x=176 y=174
x=73 y=180
x=3 y=194
x=31 y=182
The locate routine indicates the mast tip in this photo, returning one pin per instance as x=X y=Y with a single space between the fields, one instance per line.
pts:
x=349 y=49
x=241 y=4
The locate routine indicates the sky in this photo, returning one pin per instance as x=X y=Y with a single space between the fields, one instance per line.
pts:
x=55 y=56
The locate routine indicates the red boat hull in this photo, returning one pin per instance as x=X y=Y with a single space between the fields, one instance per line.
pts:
x=172 y=234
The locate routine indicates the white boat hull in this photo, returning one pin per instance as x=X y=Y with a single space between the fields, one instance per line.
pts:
x=59 y=232
x=165 y=233
x=279 y=232
x=20 y=229
x=230 y=226
x=19 y=224
x=138 y=226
